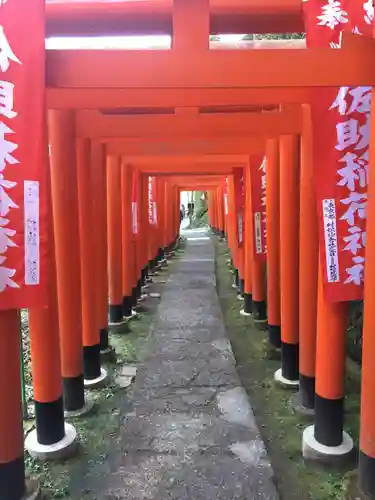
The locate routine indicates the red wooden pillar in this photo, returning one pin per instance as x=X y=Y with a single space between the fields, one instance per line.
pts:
x=12 y=469
x=258 y=267
x=288 y=376
x=249 y=253
x=144 y=228
x=210 y=209
x=367 y=428
x=67 y=249
x=51 y=432
x=92 y=370
x=127 y=245
x=326 y=439
x=161 y=218
x=99 y=203
x=114 y=223
x=233 y=232
x=308 y=275
x=273 y=242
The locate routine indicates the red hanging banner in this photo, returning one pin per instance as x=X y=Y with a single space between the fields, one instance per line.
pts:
x=239 y=203
x=23 y=155
x=258 y=206
x=341 y=127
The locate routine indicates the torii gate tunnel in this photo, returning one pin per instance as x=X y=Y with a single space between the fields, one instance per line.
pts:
x=96 y=146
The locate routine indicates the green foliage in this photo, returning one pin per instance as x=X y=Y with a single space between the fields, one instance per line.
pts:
x=277 y=36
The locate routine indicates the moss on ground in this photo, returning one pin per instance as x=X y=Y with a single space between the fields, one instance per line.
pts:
x=98 y=432
x=280 y=426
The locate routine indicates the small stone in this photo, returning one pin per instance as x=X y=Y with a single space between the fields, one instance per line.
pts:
x=128 y=371
x=124 y=381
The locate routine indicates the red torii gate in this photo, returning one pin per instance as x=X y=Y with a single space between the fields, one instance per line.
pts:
x=198 y=78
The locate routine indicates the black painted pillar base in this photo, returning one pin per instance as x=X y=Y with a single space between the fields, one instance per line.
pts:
x=73 y=393
x=143 y=277
x=91 y=362
x=260 y=311
x=12 y=479
x=104 y=340
x=115 y=313
x=139 y=288
x=248 y=303
x=307 y=391
x=274 y=336
x=367 y=474
x=134 y=296
x=127 y=304
x=222 y=235
x=49 y=422
x=290 y=361
x=236 y=278
x=329 y=421
x=160 y=255
x=241 y=287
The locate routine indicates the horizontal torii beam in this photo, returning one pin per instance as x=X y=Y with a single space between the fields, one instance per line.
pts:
x=213 y=179
x=100 y=98
x=187 y=163
x=314 y=67
x=267 y=124
x=239 y=145
x=191 y=170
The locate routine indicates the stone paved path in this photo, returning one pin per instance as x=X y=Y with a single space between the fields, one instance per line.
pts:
x=187 y=430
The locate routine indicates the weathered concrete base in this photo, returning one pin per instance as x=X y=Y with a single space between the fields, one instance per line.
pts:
x=33 y=491
x=244 y=313
x=121 y=327
x=86 y=408
x=98 y=382
x=284 y=382
x=240 y=297
x=298 y=407
x=328 y=455
x=155 y=295
x=64 y=449
x=133 y=316
x=234 y=286
x=108 y=355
